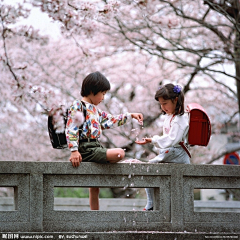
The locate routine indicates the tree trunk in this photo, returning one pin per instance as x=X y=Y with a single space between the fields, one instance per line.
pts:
x=237 y=66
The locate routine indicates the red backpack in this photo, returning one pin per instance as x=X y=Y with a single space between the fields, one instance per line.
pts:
x=199 y=125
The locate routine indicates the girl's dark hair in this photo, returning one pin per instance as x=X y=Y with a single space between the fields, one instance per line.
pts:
x=94 y=83
x=166 y=92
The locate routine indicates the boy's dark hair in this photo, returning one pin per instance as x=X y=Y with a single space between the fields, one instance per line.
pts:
x=167 y=92
x=94 y=83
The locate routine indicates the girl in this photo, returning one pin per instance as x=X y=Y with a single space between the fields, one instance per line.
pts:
x=84 y=145
x=175 y=129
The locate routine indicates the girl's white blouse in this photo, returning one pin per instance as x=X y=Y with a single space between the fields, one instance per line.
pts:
x=175 y=130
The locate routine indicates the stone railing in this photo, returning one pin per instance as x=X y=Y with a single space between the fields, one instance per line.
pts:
x=174 y=184
x=123 y=204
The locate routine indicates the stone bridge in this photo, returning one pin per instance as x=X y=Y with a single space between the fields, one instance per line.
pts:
x=173 y=217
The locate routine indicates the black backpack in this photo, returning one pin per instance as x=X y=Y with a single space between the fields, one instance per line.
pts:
x=58 y=139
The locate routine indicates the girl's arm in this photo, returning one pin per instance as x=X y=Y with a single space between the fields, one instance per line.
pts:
x=144 y=141
x=165 y=141
x=178 y=130
x=174 y=136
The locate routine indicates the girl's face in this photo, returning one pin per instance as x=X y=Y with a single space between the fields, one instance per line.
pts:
x=98 y=98
x=168 y=106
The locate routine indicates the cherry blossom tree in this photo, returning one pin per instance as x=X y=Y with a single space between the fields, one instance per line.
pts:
x=138 y=45
x=199 y=40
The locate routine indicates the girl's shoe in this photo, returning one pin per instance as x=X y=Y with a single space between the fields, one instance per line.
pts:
x=150 y=209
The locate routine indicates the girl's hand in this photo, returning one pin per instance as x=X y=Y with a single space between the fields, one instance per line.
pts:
x=138 y=116
x=75 y=158
x=144 y=141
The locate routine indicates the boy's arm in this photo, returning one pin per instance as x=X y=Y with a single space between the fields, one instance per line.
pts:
x=109 y=121
x=138 y=116
x=72 y=132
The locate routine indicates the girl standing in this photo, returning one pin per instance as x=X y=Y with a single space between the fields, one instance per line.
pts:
x=175 y=130
x=84 y=145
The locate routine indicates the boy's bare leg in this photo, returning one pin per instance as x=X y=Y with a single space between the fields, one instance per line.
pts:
x=94 y=198
x=115 y=155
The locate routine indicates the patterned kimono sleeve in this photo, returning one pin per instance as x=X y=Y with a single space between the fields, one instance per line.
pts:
x=72 y=132
x=110 y=121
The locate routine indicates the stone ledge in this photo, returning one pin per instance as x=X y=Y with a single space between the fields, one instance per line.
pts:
x=119 y=235
x=173 y=184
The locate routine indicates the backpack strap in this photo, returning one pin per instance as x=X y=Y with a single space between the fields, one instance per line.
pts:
x=185 y=148
x=84 y=109
x=172 y=119
x=182 y=143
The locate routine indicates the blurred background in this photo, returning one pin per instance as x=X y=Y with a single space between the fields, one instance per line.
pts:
x=48 y=47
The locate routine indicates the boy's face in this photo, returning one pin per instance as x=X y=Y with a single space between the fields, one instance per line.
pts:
x=98 y=98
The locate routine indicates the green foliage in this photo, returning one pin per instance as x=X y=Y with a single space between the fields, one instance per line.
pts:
x=197 y=194
x=80 y=192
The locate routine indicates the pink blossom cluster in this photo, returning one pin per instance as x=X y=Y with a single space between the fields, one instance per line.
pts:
x=78 y=17
x=137 y=45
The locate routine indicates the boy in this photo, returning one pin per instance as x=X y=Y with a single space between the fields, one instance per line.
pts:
x=85 y=146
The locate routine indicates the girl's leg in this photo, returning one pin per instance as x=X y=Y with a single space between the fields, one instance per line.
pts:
x=150 y=197
x=93 y=198
x=115 y=155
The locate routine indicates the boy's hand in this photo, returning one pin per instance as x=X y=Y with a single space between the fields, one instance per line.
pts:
x=138 y=116
x=75 y=158
x=144 y=141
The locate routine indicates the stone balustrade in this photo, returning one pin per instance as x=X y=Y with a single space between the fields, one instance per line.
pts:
x=174 y=185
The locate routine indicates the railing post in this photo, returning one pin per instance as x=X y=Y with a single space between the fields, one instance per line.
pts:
x=177 y=200
x=36 y=202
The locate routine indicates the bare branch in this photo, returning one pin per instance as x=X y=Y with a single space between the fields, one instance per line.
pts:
x=235 y=149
